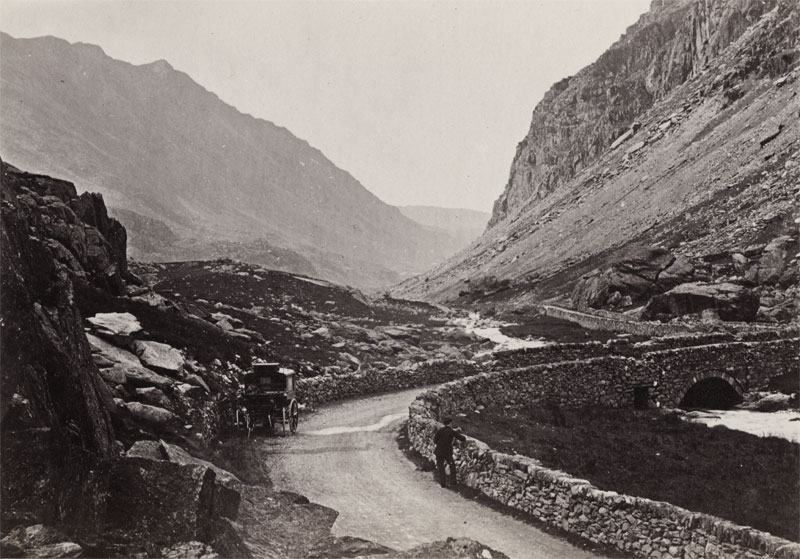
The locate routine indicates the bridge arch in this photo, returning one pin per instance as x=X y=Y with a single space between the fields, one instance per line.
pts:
x=710 y=381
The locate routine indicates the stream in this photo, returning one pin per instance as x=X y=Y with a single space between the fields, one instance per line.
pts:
x=490 y=330
x=783 y=424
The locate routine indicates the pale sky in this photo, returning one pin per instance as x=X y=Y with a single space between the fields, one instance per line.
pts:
x=423 y=102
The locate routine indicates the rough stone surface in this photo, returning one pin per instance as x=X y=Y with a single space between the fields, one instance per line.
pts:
x=732 y=302
x=115 y=324
x=638 y=275
x=56 y=422
x=159 y=356
x=640 y=527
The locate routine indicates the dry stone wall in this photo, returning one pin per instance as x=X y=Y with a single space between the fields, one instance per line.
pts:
x=329 y=388
x=634 y=525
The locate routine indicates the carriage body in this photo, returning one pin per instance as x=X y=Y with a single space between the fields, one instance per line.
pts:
x=269 y=398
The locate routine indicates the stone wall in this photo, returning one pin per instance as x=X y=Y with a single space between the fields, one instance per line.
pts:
x=597 y=321
x=329 y=388
x=634 y=525
x=588 y=350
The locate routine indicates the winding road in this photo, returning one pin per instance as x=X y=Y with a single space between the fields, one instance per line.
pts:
x=346 y=457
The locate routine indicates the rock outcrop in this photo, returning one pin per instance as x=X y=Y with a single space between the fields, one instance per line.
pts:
x=730 y=301
x=582 y=115
x=633 y=278
x=672 y=138
x=55 y=407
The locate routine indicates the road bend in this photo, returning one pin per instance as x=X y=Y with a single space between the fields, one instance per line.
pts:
x=345 y=456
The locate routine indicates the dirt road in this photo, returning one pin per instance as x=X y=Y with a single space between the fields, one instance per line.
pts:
x=346 y=457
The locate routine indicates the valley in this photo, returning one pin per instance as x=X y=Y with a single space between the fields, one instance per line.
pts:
x=218 y=343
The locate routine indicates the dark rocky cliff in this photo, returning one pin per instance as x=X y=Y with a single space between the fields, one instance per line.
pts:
x=55 y=408
x=581 y=116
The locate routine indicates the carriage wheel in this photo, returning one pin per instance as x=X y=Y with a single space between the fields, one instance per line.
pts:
x=294 y=416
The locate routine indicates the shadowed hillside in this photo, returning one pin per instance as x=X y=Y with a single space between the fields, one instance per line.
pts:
x=197 y=178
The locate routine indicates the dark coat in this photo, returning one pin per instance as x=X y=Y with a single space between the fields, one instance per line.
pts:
x=443 y=439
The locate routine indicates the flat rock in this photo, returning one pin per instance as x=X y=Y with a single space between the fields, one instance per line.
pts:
x=115 y=324
x=158 y=356
x=151 y=450
x=38 y=541
x=141 y=376
x=110 y=352
x=152 y=415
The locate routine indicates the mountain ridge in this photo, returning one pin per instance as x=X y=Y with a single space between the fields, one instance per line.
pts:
x=707 y=170
x=131 y=132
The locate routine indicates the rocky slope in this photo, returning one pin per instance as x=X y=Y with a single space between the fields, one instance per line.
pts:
x=197 y=187
x=682 y=136
x=117 y=396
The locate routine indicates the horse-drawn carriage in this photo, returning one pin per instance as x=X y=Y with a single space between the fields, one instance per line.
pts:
x=268 y=399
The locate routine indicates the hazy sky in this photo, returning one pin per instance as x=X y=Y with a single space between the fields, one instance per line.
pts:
x=423 y=102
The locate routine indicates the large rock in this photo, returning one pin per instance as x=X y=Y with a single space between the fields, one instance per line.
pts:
x=731 y=302
x=115 y=324
x=189 y=550
x=638 y=274
x=140 y=376
x=772 y=263
x=38 y=541
x=109 y=353
x=151 y=415
x=159 y=357
x=160 y=501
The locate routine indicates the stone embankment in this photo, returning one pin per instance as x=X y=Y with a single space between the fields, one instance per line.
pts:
x=634 y=525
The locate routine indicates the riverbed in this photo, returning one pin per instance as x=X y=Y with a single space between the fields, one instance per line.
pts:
x=783 y=424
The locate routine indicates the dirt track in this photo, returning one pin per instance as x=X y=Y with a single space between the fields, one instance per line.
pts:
x=346 y=457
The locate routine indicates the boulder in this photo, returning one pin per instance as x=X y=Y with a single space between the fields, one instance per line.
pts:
x=38 y=541
x=772 y=263
x=141 y=376
x=115 y=325
x=154 y=397
x=176 y=454
x=732 y=302
x=152 y=415
x=159 y=357
x=189 y=550
x=114 y=376
x=152 y=450
x=109 y=352
x=634 y=277
x=160 y=501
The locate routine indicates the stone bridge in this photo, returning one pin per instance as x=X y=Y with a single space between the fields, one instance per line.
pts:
x=660 y=372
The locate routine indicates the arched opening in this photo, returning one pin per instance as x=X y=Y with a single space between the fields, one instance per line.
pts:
x=711 y=393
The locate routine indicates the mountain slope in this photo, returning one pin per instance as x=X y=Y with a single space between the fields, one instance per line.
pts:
x=683 y=134
x=156 y=143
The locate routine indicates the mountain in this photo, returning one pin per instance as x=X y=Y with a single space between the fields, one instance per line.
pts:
x=193 y=176
x=463 y=225
x=683 y=135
